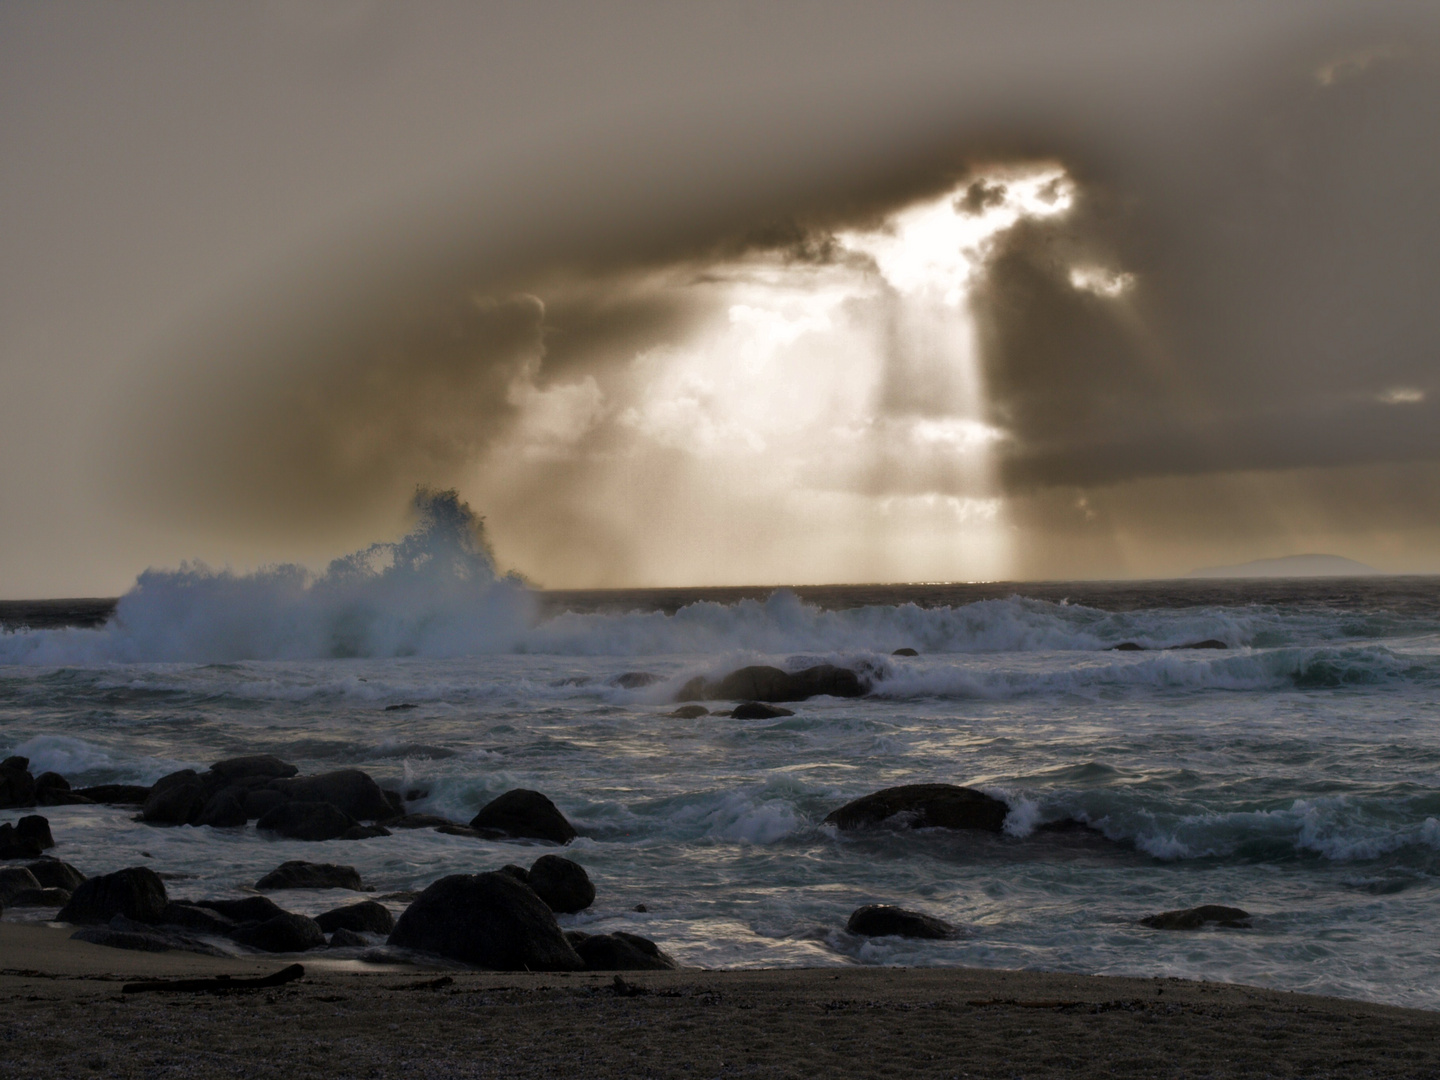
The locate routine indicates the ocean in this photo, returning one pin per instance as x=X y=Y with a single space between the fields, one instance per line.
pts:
x=1294 y=773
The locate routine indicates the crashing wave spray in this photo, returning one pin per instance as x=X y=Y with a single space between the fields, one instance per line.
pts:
x=433 y=593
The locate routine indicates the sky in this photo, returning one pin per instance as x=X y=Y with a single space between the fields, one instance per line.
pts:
x=735 y=293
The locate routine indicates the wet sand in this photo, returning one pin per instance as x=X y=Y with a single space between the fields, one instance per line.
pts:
x=63 y=1013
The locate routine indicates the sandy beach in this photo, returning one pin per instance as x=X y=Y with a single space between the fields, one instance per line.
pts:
x=66 y=1014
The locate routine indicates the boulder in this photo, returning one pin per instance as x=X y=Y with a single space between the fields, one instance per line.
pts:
x=1231 y=918
x=17 y=786
x=46 y=898
x=136 y=893
x=12 y=846
x=348 y=790
x=1128 y=646
x=284 y=933
x=176 y=799
x=15 y=880
x=489 y=920
x=923 y=806
x=34 y=829
x=52 y=789
x=225 y=809
x=690 y=712
x=260 y=801
x=758 y=710
x=519 y=873
x=54 y=874
x=306 y=821
x=621 y=952
x=199 y=917
x=348 y=939
x=365 y=917
x=525 y=815
x=116 y=794
x=297 y=874
x=259 y=765
x=885 y=920
x=250 y=909
x=907 y=651
x=563 y=885
x=763 y=683
x=123 y=933
x=634 y=680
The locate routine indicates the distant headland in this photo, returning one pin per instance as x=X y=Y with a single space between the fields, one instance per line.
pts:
x=1290 y=566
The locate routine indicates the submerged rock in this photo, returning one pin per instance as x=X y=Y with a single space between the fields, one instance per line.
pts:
x=907 y=651
x=136 y=893
x=758 y=710
x=634 y=680
x=689 y=712
x=489 y=920
x=1231 y=918
x=620 y=951
x=923 y=806
x=116 y=794
x=298 y=874
x=564 y=885
x=764 y=683
x=1208 y=643
x=886 y=920
x=524 y=814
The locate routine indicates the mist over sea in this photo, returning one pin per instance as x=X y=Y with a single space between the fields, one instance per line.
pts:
x=1295 y=773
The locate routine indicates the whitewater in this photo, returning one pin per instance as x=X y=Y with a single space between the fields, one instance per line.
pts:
x=1294 y=773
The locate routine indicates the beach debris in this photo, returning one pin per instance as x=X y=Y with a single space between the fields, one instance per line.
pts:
x=284 y=933
x=135 y=892
x=1230 y=918
x=298 y=874
x=220 y=982
x=689 y=712
x=365 y=917
x=54 y=874
x=907 y=651
x=758 y=710
x=489 y=920
x=564 y=885
x=524 y=814
x=763 y=683
x=923 y=806
x=886 y=920
x=619 y=951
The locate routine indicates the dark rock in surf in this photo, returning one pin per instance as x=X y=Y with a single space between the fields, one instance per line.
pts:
x=176 y=799
x=123 y=933
x=298 y=874
x=489 y=920
x=267 y=766
x=620 y=951
x=17 y=786
x=285 y=933
x=348 y=790
x=199 y=917
x=907 y=651
x=249 y=909
x=52 y=789
x=420 y=821
x=634 y=680
x=524 y=814
x=348 y=939
x=34 y=829
x=306 y=821
x=1068 y=827
x=758 y=710
x=923 y=806
x=885 y=920
x=1231 y=918
x=764 y=683
x=1208 y=643
x=54 y=874
x=13 y=847
x=404 y=706
x=364 y=832
x=365 y=917
x=136 y=893
x=564 y=885
x=15 y=880
x=41 y=898
x=1128 y=646
x=260 y=801
x=116 y=794
x=225 y=809
x=519 y=873
x=689 y=712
